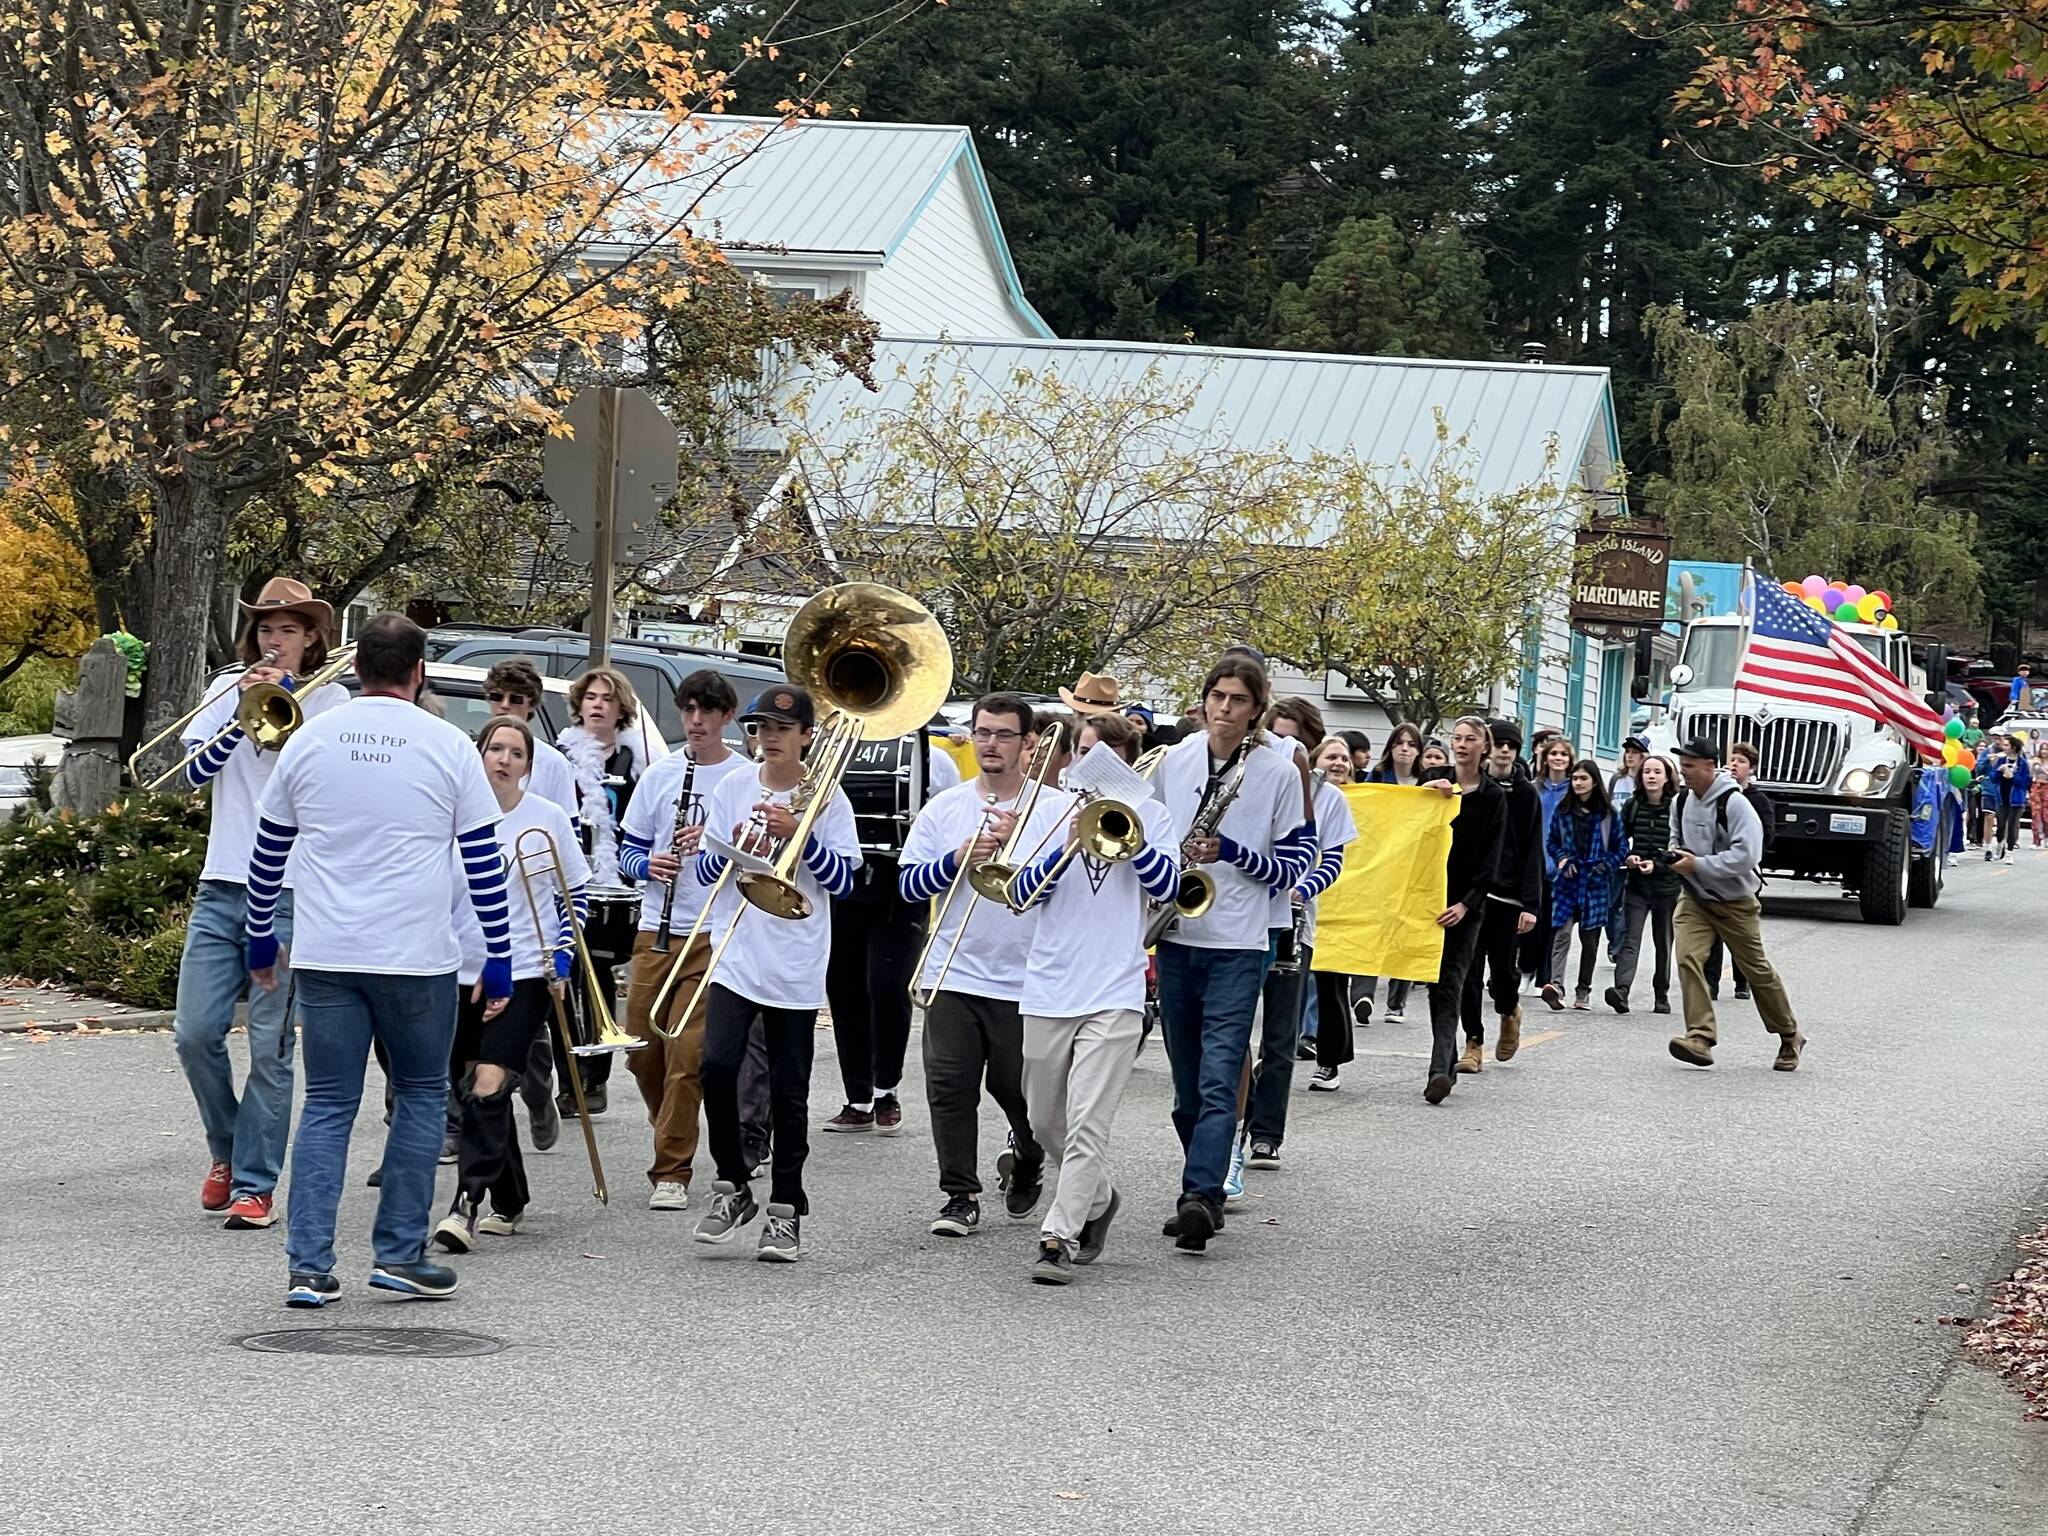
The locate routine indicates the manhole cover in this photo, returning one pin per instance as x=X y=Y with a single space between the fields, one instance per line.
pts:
x=407 y=1343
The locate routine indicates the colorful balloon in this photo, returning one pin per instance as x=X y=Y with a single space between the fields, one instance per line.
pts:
x=1814 y=586
x=1847 y=614
x=1856 y=593
x=1960 y=777
x=1887 y=622
x=1953 y=729
x=1951 y=754
x=1969 y=758
x=1868 y=609
x=1883 y=597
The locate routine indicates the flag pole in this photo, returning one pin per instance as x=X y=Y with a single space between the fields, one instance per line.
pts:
x=1745 y=611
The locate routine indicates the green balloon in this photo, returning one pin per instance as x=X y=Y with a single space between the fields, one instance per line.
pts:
x=1847 y=614
x=1953 y=729
x=1959 y=776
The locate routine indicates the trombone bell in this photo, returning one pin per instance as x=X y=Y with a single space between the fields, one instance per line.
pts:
x=1109 y=832
x=873 y=652
x=268 y=715
x=775 y=896
x=1196 y=893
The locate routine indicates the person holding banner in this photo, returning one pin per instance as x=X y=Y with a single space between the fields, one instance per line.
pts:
x=1510 y=908
x=1470 y=872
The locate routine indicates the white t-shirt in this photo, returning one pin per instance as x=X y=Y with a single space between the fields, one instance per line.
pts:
x=1088 y=949
x=552 y=778
x=997 y=945
x=652 y=818
x=379 y=790
x=528 y=961
x=1266 y=809
x=1335 y=827
x=238 y=788
x=941 y=772
x=1280 y=903
x=775 y=961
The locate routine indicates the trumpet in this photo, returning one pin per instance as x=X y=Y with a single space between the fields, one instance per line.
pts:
x=268 y=714
x=991 y=878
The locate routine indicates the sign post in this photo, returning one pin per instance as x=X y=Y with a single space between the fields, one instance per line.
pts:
x=609 y=479
x=605 y=514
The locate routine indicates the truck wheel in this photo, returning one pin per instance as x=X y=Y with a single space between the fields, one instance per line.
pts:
x=1886 y=873
x=1924 y=889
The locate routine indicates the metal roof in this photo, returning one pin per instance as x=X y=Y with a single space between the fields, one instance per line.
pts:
x=824 y=185
x=1381 y=410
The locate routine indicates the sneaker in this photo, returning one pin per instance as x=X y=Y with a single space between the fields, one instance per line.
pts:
x=1509 y=1040
x=1662 y=1005
x=498 y=1224
x=1306 y=1049
x=669 y=1196
x=1054 y=1265
x=1233 y=1181
x=457 y=1231
x=731 y=1209
x=598 y=1097
x=451 y=1148
x=250 y=1211
x=425 y=1280
x=758 y=1159
x=1616 y=999
x=1438 y=1088
x=888 y=1114
x=1324 y=1081
x=1195 y=1224
x=1789 y=1047
x=1742 y=993
x=213 y=1194
x=1987 y=855
x=1474 y=1057
x=1022 y=1184
x=1171 y=1226
x=1692 y=1050
x=1553 y=996
x=306 y=1289
x=1264 y=1154
x=543 y=1124
x=1582 y=1000
x=961 y=1217
x=1361 y=1011
x=851 y=1119
x=1396 y=1014
x=1095 y=1230
x=376 y=1178
x=781 y=1239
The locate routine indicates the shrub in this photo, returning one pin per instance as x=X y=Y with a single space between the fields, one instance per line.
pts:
x=28 y=700
x=149 y=977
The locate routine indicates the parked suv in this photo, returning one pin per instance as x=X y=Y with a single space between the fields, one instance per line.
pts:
x=654 y=667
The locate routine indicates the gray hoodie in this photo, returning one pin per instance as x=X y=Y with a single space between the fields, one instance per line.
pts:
x=1726 y=867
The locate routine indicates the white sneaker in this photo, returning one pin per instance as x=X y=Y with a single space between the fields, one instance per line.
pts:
x=1325 y=1080
x=497 y=1225
x=669 y=1196
x=1233 y=1181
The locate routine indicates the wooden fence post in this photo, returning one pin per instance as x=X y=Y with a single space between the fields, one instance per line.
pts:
x=90 y=716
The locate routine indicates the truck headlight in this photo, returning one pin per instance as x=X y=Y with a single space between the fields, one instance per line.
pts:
x=1857 y=782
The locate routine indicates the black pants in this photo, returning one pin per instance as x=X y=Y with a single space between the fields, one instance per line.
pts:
x=1447 y=994
x=875 y=940
x=968 y=1040
x=728 y=1020
x=1495 y=968
x=490 y=1164
x=1284 y=998
x=2009 y=825
x=1713 y=969
x=1535 y=956
x=1333 y=1018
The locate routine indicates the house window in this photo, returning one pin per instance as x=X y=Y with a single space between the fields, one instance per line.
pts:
x=1575 y=693
x=1614 y=678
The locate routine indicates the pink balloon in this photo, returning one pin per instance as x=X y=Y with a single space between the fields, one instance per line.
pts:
x=1814 y=586
x=1855 y=594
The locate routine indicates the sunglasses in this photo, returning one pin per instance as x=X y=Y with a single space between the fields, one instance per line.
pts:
x=508 y=698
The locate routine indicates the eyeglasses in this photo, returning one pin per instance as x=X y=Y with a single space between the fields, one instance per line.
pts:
x=508 y=698
x=988 y=738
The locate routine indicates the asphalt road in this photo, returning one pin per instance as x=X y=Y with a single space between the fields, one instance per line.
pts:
x=1595 y=1292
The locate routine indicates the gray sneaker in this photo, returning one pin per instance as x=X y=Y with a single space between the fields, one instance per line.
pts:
x=781 y=1242
x=731 y=1209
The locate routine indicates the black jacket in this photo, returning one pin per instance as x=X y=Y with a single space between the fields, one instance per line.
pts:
x=1519 y=879
x=1476 y=838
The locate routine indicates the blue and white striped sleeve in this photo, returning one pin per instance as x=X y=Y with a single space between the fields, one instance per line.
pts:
x=1262 y=867
x=1035 y=882
x=709 y=867
x=209 y=762
x=483 y=866
x=835 y=871
x=1296 y=854
x=921 y=882
x=274 y=841
x=1158 y=871
x=633 y=855
x=565 y=939
x=1329 y=865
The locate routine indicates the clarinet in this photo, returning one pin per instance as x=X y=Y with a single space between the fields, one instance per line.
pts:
x=684 y=810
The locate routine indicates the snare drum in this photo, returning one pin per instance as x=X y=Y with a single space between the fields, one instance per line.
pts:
x=614 y=919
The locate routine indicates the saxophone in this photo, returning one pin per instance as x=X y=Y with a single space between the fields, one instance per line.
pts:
x=1196 y=892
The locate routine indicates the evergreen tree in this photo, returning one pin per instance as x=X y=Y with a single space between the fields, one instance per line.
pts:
x=1383 y=292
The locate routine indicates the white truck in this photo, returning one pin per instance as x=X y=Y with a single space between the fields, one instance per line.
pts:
x=1851 y=803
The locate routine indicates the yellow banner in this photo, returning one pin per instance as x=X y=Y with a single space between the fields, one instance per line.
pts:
x=1379 y=919
x=962 y=753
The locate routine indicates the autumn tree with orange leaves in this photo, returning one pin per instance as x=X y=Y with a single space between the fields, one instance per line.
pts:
x=266 y=247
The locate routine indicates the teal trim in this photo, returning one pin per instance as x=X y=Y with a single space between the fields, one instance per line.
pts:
x=978 y=179
x=1530 y=687
x=1615 y=666
x=1575 y=693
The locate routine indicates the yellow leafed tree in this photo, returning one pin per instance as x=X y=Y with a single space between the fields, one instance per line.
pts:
x=48 y=609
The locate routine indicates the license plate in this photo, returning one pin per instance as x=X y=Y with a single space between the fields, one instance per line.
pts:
x=1853 y=825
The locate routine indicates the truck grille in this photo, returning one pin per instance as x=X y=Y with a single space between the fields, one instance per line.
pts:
x=1797 y=754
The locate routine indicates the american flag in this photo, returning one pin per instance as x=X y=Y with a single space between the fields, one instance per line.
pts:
x=1797 y=654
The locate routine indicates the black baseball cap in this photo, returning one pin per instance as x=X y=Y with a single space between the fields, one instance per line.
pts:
x=1699 y=746
x=783 y=704
x=1640 y=743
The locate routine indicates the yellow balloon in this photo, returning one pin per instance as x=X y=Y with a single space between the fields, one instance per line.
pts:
x=2021 y=737
x=1951 y=754
x=1869 y=609
x=1889 y=623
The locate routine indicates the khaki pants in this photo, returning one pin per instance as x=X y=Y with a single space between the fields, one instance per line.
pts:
x=668 y=1071
x=1739 y=926
x=1075 y=1070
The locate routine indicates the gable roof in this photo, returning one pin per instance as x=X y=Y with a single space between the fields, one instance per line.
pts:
x=837 y=188
x=1381 y=410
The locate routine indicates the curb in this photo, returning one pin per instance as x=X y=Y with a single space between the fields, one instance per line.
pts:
x=132 y=1021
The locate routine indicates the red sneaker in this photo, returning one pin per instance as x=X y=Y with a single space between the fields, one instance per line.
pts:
x=213 y=1194
x=251 y=1211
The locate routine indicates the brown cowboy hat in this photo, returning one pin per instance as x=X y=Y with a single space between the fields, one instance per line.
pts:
x=281 y=594
x=1094 y=694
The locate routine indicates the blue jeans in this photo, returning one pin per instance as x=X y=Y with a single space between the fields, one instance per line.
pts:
x=1206 y=997
x=247 y=1133
x=342 y=1011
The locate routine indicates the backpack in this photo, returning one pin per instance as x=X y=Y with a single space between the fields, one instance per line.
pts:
x=1684 y=797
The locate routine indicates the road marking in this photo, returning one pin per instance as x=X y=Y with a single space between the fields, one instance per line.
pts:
x=1538 y=1039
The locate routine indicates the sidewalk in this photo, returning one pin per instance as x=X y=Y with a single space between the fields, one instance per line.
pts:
x=29 y=1005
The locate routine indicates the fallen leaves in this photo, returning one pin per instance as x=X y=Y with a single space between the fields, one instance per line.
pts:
x=2013 y=1338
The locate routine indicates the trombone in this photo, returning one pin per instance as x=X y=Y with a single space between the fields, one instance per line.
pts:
x=1106 y=823
x=547 y=858
x=879 y=664
x=991 y=878
x=268 y=714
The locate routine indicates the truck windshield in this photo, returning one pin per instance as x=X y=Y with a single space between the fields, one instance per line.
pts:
x=1712 y=653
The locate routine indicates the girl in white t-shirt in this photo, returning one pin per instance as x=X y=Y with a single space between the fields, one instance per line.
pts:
x=490 y=1053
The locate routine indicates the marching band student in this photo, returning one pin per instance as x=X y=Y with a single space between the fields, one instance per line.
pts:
x=490 y=1053
x=1211 y=967
x=773 y=970
x=379 y=797
x=283 y=639
x=972 y=1029
x=1510 y=909
x=513 y=688
x=661 y=832
x=1470 y=870
x=1083 y=1003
